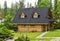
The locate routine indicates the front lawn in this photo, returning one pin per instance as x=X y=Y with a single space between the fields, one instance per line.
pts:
x=55 y=33
x=43 y=39
x=30 y=35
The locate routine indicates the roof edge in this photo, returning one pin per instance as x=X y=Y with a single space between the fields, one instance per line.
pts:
x=30 y=23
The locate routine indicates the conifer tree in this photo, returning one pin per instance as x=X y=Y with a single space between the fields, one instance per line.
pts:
x=5 y=8
x=16 y=6
x=55 y=6
x=43 y=3
x=21 y=4
x=28 y=5
x=12 y=9
x=0 y=7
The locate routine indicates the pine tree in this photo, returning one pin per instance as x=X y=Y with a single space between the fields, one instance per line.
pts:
x=21 y=4
x=28 y=5
x=35 y=4
x=55 y=6
x=12 y=9
x=5 y=8
x=16 y=6
x=43 y=3
x=51 y=4
x=1 y=14
x=0 y=7
x=0 y=11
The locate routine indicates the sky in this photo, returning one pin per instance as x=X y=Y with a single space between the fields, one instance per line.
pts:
x=14 y=1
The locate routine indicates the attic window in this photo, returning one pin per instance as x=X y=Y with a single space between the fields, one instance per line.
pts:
x=35 y=15
x=22 y=15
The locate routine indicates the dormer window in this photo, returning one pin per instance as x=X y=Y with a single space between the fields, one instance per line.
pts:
x=22 y=15
x=35 y=15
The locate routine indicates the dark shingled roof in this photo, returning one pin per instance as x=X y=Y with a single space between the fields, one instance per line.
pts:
x=29 y=20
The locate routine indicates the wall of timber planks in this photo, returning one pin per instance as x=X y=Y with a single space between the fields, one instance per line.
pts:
x=33 y=28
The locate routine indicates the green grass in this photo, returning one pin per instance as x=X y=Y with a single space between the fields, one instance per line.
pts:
x=16 y=34
x=30 y=35
x=41 y=39
x=55 y=33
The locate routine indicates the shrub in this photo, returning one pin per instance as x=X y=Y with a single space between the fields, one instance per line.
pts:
x=23 y=38
x=5 y=33
x=2 y=39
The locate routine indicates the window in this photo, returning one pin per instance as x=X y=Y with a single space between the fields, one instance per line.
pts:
x=22 y=15
x=35 y=15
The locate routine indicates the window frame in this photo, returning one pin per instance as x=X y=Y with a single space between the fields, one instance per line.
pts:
x=22 y=15
x=35 y=15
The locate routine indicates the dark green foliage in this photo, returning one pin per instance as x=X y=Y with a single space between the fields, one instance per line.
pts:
x=30 y=5
x=0 y=7
x=8 y=14
x=21 y=4
x=2 y=39
x=56 y=14
x=5 y=33
x=55 y=11
x=43 y=3
x=7 y=20
x=27 y=5
x=5 y=8
x=4 y=28
x=16 y=6
x=23 y=38
x=12 y=10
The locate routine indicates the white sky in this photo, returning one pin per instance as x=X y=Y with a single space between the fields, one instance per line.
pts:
x=14 y=1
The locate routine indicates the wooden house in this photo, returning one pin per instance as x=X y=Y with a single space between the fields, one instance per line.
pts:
x=33 y=19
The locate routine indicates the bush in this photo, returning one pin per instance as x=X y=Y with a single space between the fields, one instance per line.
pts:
x=2 y=39
x=23 y=38
x=5 y=33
